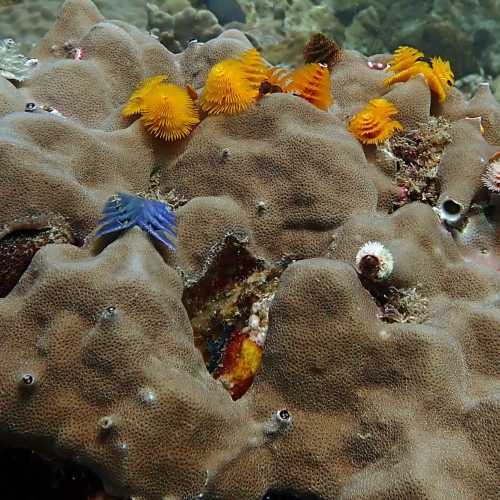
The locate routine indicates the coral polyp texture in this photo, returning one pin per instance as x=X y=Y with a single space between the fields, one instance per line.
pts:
x=327 y=322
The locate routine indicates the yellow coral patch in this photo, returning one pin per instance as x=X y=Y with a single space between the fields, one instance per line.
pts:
x=135 y=103
x=444 y=73
x=403 y=58
x=312 y=83
x=254 y=67
x=169 y=112
x=436 y=71
x=227 y=89
x=374 y=124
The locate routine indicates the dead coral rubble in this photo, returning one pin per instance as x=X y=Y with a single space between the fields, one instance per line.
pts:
x=417 y=153
x=326 y=375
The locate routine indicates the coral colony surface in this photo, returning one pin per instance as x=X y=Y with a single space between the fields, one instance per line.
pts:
x=223 y=279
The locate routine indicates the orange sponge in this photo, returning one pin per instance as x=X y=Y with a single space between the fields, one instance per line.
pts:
x=169 y=112
x=403 y=58
x=135 y=103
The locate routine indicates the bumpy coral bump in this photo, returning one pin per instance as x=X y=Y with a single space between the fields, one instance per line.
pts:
x=374 y=261
x=491 y=178
x=374 y=124
x=135 y=104
x=404 y=57
x=312 y=83
x=123 y=211
x=228 y=89
x=169 y=112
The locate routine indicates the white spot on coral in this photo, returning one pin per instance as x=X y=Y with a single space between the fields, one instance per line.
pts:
x=383 y=256
x=147 y=395
x=491 y=178
x=253 y=321
x=384 y=334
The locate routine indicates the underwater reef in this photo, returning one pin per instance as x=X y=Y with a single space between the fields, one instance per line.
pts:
x=464 y=31
x=222 y=279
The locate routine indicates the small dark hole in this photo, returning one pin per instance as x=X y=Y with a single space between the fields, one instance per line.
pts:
x=451 y=207
x=290 y=495
x=28 y=379
x=284 y=414
x=29 y=476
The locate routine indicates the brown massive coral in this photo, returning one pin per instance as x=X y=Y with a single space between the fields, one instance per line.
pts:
x=370 y=387
x=109 y=387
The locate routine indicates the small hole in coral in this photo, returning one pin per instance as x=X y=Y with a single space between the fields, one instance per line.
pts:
x=106 y=423
x=369 y=266
x=452 y=207
x=28 y=379
x=284 y=414
x=108 y=313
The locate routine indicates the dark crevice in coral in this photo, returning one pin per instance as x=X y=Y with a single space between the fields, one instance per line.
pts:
x=21 y=239
x=397 y=305
x=226 y=263
x=290 y=495
x=29 y=476
x=387 y=377
x=228 y=304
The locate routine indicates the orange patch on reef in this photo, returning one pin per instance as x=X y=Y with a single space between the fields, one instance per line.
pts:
x=408 y=62
x=404 y=57
x=312 y=83
x=254 y=67
x=168 y=111
x=374 y=124
x=240 y=363
x=227 y=89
